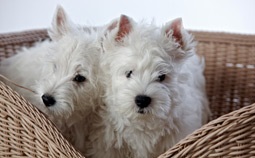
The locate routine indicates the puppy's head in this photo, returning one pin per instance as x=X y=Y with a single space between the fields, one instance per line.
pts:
x=140 y=64
x=68 y=80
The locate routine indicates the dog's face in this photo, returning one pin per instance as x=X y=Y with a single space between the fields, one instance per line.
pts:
x=68 y=77
x=140 y=83
x=141 y=64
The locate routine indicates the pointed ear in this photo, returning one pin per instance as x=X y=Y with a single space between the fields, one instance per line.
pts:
x=174 y=29
x=123 y=26
x=175 y=32
x=61 y=24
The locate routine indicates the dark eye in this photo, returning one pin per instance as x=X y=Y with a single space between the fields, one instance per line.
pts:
x=128 y=73
x=79 y=78
x=161 y=77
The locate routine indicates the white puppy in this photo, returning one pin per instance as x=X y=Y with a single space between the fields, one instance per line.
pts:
x=62 y=73
x=154 y=90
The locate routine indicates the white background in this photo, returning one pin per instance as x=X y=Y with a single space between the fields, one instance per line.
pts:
x=236 y=16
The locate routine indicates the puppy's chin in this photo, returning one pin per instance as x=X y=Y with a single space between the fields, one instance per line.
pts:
x=144 y=111
x=144 y=114
x=141 y=111
x=150 y=114
x=42 y=108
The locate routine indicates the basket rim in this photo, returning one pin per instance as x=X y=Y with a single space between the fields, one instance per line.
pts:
x=22 y=36
x=209 y=36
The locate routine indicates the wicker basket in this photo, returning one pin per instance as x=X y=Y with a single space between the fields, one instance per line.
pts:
x=230 y=74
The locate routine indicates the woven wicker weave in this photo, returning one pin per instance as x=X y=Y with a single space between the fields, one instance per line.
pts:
x=10 y=43
x=231 y=135
x=230 y=74
x=26 y=132
x=230 y=70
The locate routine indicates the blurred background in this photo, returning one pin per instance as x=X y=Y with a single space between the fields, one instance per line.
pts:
x=235 y=16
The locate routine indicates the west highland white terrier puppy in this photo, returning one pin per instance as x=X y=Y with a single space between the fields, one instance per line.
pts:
x=154 y=90
x=61 y=72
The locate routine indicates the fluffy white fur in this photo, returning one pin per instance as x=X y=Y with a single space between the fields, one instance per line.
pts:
x=178 y=103
x=50 y=68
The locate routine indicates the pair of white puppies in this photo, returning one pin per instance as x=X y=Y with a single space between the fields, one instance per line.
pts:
x=124 y=90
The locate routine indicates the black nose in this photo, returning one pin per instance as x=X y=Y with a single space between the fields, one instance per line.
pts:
x=48 y=100
x=142 y=101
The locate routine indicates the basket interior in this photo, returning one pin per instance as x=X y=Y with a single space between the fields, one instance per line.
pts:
x=230 y=65
x=230 y=75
